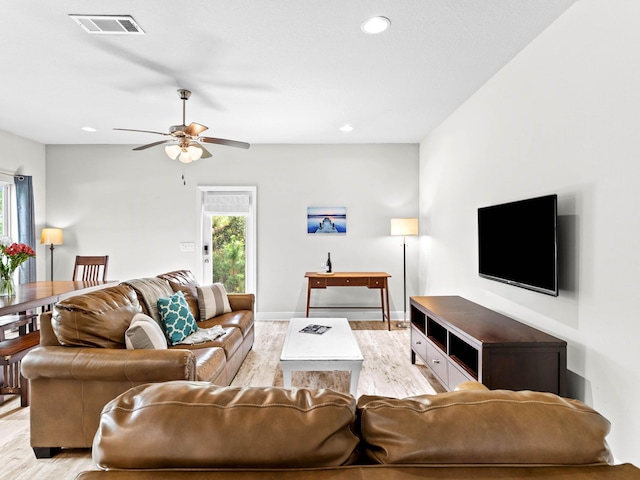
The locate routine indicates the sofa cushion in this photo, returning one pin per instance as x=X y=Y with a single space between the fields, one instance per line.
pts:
x=242 y=319
x=211 y=365
x=483 y=427
x=95 y=319
x=149 y=290
x=191 y=296
x=181 y=277
x=144 y=333
x=177 y=320
x=213 y=301
x=185 y=281
x=225 y=427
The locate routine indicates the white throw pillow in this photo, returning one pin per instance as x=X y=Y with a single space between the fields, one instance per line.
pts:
x=213 y=301
x=144 y=333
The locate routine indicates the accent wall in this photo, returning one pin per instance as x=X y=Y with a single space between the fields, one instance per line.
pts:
x=561 y=117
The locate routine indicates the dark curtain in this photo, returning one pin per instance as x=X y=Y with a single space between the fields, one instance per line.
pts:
x=26 y=224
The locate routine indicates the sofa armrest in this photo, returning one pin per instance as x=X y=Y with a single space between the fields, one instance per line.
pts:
x=242 y=301
x=109 y=365
x=47 y=335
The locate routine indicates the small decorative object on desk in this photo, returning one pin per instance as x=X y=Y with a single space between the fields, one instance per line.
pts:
x=315 y=329
x=329 y=270
x=12 y=255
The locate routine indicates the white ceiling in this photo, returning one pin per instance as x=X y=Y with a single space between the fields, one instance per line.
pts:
x=261 y=71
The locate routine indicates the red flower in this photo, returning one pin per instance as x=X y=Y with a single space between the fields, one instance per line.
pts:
x=12 y=256
x=16 y=249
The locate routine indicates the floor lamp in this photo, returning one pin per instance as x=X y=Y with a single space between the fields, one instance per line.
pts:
x=404 y=227
x=52 y=236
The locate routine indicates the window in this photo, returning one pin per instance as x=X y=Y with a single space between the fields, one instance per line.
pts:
x=5 y=207
x=229 y=237
x=228 y=251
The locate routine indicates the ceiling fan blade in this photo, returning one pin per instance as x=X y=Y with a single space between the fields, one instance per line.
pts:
x=222 y=141
x=143 y=131
x=195 y=129
x=144 y=147
x=205 y=152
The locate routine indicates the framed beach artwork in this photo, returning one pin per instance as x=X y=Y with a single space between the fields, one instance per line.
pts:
x=327 y=220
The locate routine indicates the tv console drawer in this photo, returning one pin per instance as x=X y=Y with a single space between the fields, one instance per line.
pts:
x=437 y=362
x=457 y=376
x=419 y=343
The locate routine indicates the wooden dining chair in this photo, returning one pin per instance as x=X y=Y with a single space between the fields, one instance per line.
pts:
x=87 y=268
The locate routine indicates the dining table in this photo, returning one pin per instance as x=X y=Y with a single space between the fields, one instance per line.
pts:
x=22 y=309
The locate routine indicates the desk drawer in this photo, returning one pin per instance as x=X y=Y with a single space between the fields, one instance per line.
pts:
x=347 y=282
x=318 y=282
x=376 y=282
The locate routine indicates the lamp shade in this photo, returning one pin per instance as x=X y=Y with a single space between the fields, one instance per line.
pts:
x=404 y=226
x=52 y=236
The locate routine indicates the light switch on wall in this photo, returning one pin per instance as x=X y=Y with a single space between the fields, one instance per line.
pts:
x=187 y=246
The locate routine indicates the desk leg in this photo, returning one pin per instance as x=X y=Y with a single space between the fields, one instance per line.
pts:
x=386 y=289
x=308 y=297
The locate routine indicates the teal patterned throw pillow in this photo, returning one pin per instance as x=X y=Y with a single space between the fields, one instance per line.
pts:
x=176 y=317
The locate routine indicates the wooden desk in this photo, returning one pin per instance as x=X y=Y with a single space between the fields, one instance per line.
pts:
x=375 y=280
x=35 y=295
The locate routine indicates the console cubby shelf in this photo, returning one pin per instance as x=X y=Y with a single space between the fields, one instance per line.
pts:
x=460 y=340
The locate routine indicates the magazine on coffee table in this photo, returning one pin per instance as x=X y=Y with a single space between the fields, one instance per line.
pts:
x=315 y=329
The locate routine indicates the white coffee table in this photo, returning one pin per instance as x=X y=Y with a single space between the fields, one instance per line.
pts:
x=336 y=349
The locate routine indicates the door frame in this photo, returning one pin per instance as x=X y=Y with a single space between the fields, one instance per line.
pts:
x=204 y=235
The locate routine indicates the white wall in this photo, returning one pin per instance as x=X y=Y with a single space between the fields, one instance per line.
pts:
x=26 y=157
x=561 y=118
x=134 y=207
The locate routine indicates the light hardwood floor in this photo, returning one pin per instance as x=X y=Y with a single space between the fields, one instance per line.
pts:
x=386 y=370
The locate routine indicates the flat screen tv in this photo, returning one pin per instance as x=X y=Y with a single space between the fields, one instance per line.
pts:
x=518 y=244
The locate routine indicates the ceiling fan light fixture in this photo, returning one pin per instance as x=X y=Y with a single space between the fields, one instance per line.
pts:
x=185 y=157
x=195 y=152
x=172 y=151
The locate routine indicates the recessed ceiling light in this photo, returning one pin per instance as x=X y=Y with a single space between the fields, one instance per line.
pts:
x=89 y=129
x=346 y=128
x=375 y=25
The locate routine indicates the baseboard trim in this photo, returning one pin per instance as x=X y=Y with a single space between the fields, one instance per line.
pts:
x=350 y=314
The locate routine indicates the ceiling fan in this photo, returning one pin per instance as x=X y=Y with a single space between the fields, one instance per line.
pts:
x=186 y=137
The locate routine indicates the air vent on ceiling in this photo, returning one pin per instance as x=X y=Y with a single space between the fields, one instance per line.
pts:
x=108 y=24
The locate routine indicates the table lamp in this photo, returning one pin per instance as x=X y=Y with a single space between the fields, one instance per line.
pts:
x=404 y=227
x=52 y=236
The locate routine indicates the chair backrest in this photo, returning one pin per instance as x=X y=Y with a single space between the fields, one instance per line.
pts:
x=88 y=269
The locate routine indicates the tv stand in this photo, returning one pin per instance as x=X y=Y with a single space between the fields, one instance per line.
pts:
x=460 y=340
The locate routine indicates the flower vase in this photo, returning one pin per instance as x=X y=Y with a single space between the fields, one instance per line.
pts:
x=7 y=287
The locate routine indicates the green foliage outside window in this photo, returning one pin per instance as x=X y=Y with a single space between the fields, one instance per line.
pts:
x=228 y=251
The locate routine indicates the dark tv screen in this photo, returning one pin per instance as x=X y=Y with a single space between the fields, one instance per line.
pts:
x=517 y=243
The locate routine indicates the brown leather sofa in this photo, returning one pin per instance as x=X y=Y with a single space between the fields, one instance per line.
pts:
x=82 y=362
x=194 y=430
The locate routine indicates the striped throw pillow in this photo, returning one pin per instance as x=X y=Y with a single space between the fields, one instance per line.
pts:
x=144 y=332
x=213 y=301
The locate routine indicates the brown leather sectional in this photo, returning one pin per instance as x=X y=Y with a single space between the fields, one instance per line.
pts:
x=82 y=362
x=195 y=430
